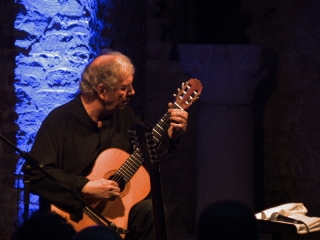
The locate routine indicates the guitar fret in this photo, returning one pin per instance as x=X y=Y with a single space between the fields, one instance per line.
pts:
x=177 y=106
x=157 y=139
x=137 y=164
x=129 y=168
x=159 y=128
x=156 y=135
x=125 y=174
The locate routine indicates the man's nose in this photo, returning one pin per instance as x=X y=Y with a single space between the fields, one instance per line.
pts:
x=131 y=90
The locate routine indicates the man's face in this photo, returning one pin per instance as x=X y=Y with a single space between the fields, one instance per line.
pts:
x=118 y=99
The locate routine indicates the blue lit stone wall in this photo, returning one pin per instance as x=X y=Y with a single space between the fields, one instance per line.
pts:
x=59 y=37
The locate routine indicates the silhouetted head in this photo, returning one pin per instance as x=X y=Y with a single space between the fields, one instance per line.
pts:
x=97 y=233
x=227 y=220
x=40 y=226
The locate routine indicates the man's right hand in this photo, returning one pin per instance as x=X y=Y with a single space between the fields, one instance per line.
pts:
x=101 y=188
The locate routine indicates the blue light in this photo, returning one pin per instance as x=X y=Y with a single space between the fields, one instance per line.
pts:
x=59 y=38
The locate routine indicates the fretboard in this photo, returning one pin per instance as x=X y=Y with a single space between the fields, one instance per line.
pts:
x=132 y=164
x=163 y=125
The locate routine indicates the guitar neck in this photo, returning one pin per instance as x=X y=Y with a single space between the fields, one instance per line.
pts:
x=163 y=125
x=189 y=93
x=130 y=167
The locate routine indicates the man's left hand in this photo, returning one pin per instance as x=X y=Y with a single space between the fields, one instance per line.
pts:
x=179 y=120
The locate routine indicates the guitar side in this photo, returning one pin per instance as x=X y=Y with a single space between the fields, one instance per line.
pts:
x=116 y=211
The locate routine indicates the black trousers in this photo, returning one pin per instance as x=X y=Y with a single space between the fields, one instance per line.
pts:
x=141 y=224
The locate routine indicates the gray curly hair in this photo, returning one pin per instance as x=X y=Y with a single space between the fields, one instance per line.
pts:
x=108 y=68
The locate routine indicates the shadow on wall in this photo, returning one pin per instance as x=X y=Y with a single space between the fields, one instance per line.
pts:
x=263 y=92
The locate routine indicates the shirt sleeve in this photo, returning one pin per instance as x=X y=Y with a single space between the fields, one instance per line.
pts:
x=50 y=182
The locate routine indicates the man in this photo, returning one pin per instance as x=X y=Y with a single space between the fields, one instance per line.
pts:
x=74 y=134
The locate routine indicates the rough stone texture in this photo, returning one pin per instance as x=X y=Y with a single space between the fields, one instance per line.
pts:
x=8 y=128
x=57 y=39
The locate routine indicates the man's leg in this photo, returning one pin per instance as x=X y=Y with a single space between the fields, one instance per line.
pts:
x=141 y=224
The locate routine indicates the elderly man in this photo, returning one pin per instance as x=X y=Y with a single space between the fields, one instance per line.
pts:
x=74 y=134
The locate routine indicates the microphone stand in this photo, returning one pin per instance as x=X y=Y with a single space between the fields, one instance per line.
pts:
x=26 y=195
x=34 y=163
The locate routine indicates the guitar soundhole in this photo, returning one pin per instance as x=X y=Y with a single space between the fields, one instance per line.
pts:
x=120 y=180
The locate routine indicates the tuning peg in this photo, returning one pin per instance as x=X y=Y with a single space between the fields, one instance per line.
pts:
x=134 y=141
x=152 y=152
x=154 y=158
x=137 y=149
x=178 y=90
x=132 y=133
x=134 y=145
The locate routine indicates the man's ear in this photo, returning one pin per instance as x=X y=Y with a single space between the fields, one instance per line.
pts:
x=101 y=90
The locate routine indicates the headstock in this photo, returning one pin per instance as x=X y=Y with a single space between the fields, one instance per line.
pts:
x=189 y=92
x=147 y=145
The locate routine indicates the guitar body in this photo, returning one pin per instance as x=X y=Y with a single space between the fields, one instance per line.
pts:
x=116 y=211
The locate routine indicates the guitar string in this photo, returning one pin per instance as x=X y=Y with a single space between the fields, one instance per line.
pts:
x=165 y=123
x=126 y=167
x=122 y=172
x=163 y=120
x=129 y=168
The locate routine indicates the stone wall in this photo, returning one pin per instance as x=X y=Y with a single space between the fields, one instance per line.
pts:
x=8 y=159
x=289 y=29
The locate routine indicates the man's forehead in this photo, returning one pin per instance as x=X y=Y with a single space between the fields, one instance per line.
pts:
x=126 y=80
x=101 y=59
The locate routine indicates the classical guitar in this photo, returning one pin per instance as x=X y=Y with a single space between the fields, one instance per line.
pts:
x=128 y=172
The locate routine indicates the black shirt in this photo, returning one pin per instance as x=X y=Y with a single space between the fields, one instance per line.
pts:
x=68 y=143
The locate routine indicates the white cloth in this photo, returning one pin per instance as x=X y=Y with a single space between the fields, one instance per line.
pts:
x=296 y=211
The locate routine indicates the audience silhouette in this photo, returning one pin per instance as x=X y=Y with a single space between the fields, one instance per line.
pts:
x=227 y=220
x=44 y=226
x=97 y=233
x=51 y=226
